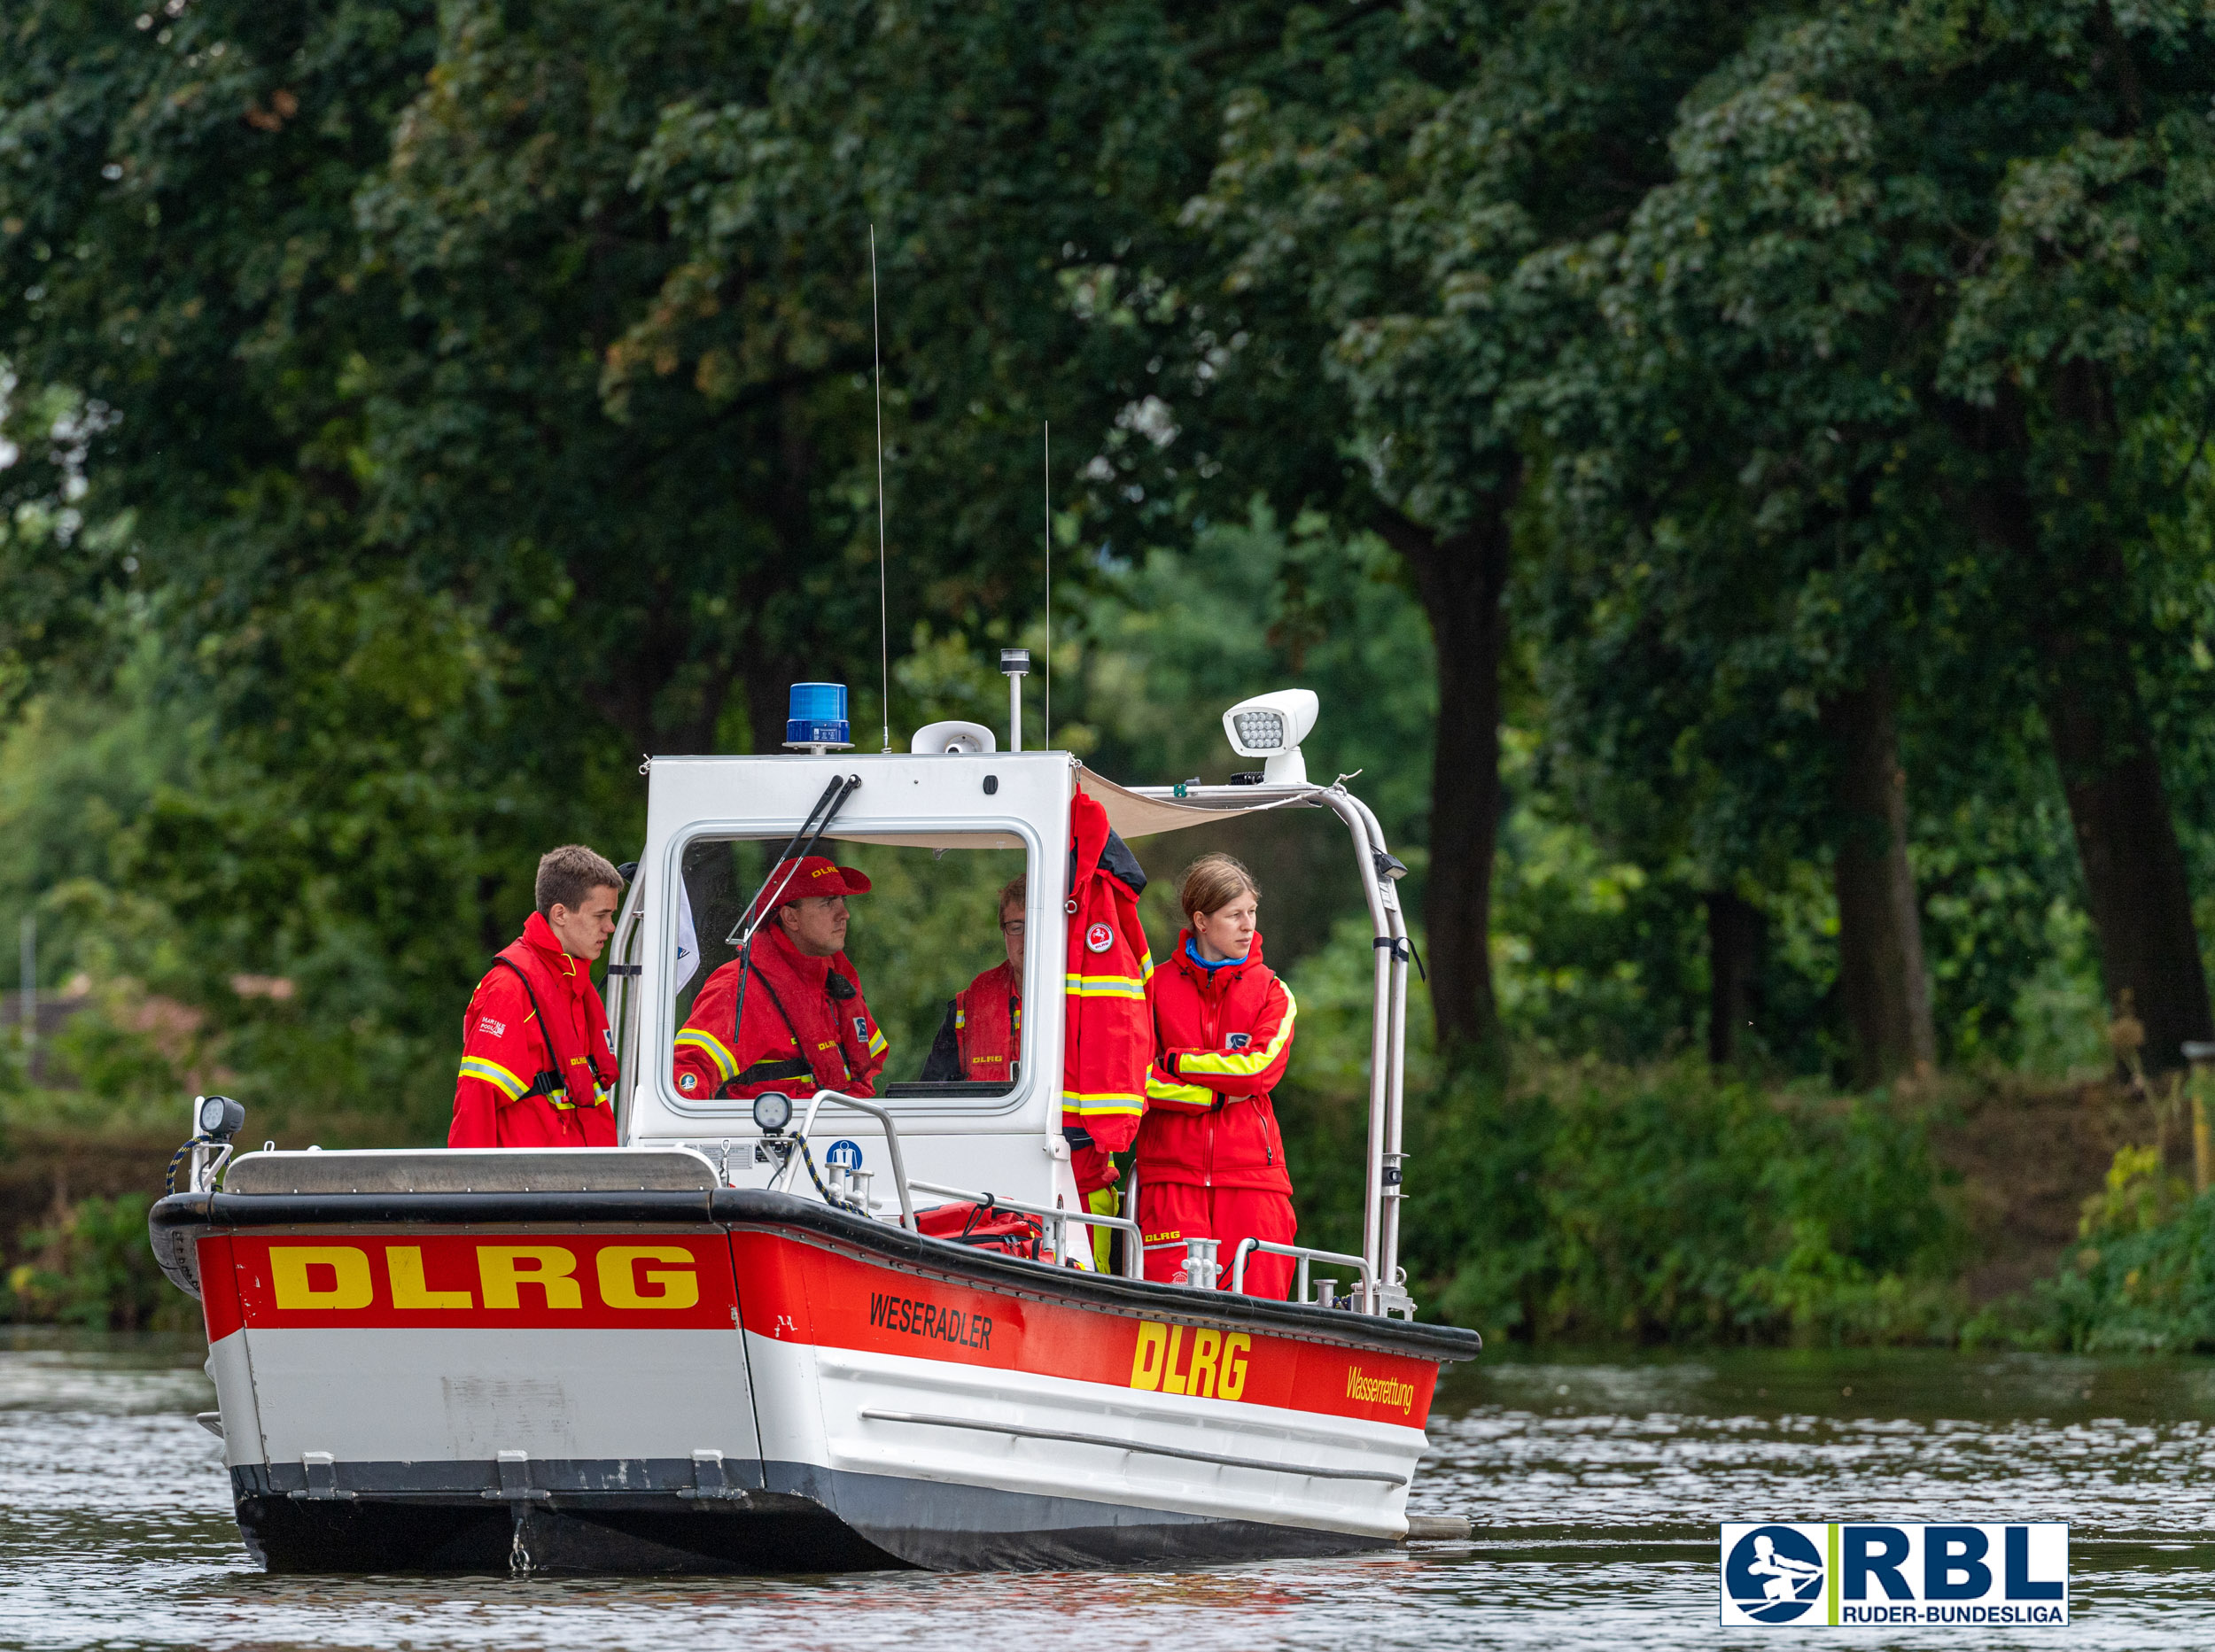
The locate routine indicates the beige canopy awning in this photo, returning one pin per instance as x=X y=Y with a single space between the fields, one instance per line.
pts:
x=1134 y=814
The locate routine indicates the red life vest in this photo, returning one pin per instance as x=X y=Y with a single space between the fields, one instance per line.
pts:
x=537 y=1067
x=807 y=1028
x=988 y=1025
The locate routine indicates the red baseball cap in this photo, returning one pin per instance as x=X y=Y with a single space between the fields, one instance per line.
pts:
x=797 y=879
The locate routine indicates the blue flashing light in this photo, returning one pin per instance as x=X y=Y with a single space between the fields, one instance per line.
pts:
x=817 y=716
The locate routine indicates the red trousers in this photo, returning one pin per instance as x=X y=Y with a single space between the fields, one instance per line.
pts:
x=1170 y=1213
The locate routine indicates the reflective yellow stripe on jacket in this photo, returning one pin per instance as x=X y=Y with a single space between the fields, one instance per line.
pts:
x=1158 y=1088
x=1105 y=986
x=498 y=1076
x=1245 y=1063
x=1105 y=1104
x=699 y=1038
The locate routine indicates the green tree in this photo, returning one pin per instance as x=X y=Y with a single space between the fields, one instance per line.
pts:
x=1403 y=182
x=2079 y=347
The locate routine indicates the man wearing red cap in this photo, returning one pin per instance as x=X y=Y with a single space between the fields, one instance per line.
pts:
x=805 y=1024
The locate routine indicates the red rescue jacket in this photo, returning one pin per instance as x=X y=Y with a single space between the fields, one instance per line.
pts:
x=1222 y=1036
x=807 y=1028
x=528 y=1082
x=1109 y=1035
x=988 y=1025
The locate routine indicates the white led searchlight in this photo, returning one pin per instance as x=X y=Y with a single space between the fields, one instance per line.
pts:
x=1272 y=727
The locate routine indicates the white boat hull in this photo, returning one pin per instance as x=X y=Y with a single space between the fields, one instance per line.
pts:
x=744 y=1382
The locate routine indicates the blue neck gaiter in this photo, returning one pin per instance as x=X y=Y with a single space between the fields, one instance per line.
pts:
x=1191 y=951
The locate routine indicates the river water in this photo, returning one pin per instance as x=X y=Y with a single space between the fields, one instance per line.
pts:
x=1597 y=1486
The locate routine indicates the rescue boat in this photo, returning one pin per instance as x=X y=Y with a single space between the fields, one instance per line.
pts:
x=726 y=1345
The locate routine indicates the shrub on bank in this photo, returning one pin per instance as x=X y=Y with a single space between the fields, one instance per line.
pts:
x=2140 y=1278
x=1667 y=1203
x=95 y=1268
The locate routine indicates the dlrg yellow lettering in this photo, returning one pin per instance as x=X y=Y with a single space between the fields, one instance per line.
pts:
x=503 y=1268
x=1235 y=1349
x=403 y=1263
x=294 y=1288
x=673 y=1288
x=1217 y=1369
x=1146 y=1359
x=1173 y=1380
x=1205 y=1344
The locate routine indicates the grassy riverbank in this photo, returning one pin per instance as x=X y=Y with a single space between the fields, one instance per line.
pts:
x=1585 y=1203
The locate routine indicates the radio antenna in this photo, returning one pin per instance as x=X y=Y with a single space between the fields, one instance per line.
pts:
x=1048 y=743
x=884 y=622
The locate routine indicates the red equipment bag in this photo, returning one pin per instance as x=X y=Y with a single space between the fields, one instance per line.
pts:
x=986 y=1226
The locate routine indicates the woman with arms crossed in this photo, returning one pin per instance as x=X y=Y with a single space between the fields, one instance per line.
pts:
x=1210 y=1161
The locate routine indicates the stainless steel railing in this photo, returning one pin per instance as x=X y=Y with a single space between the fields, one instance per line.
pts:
x=1305 y=1254
x=779 y=1182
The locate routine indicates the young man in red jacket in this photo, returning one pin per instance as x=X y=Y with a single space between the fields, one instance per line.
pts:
x=981 y=1038
x=538 y=1064
x=1211 y=1162
x=806 y=1025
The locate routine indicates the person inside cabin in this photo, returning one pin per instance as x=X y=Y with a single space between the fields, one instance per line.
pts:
x=1210 y=1160
x=538 y=1064
x=981 y=1040
x=800 y=1024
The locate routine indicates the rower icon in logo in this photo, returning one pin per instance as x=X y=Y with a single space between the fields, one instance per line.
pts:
x=1773 y=1574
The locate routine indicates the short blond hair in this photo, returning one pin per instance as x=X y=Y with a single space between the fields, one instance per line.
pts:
x=1212 y=882
x=568 y=874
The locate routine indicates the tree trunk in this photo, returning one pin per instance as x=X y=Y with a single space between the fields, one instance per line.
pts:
x=2136 y=889
x=1460 y=578
x=1882 y=986
x=2135 y=878
x=1737 y=940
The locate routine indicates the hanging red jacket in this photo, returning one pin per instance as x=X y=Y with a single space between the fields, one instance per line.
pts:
x=1225 y=1037
x=988 y=1025
x=1109 y=1035
x=538 y=1064
x=807 y=1028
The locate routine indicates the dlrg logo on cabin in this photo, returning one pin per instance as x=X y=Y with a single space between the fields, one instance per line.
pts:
x=1808 y=1576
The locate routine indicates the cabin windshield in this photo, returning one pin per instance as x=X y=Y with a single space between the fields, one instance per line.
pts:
x=929 y=927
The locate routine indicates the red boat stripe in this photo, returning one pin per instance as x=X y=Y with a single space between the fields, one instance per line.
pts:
x=796 y=1292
